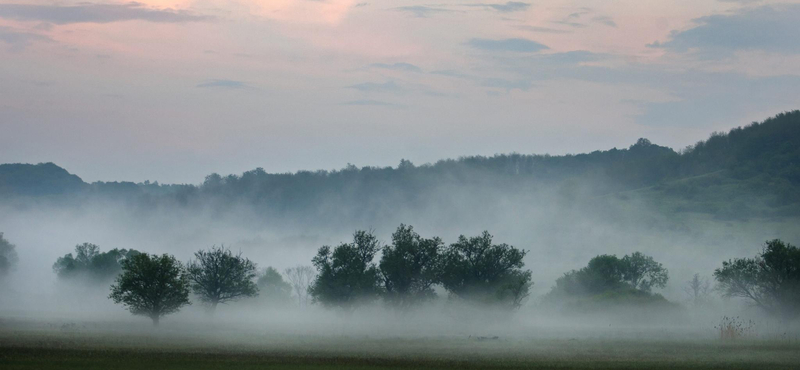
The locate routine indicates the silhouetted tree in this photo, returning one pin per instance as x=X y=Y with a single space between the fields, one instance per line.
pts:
x=219 y=276
x=301 y=278
x=151 y=285
x=8 y=256
x=603 y=273
x=347 y=276
x=89 y=262
x=409 y=267
x=273 y=288
x=606 y=273
x=771 y=280
x=642 y=272
x=476 y=270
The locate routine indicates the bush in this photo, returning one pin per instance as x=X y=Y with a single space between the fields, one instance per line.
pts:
x=91 y=264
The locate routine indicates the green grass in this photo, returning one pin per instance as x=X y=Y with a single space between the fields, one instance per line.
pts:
x=41 y=358
x=36 y=347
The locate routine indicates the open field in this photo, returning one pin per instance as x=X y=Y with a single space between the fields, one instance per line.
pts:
x=37 y=345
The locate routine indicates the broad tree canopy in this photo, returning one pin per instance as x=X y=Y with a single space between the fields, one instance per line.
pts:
x=771 y=280
x=476 y=270
x=642 y=272
x=606 y=273
x=151 y=286
x=410 y=267
x=219 y=276
x=347 y=276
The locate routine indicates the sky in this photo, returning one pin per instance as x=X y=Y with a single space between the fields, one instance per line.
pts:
x=173 y=90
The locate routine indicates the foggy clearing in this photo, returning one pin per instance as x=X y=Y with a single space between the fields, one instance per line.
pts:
x=607 y=278
x=293 y=184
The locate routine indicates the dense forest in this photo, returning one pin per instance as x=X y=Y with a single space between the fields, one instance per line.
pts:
x=750 y=171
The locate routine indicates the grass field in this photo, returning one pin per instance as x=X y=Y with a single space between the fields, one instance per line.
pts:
x=28 y=345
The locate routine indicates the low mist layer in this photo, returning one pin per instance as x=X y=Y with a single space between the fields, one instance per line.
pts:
x=689 y=211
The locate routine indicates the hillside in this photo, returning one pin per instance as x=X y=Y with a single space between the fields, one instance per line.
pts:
x=751 y=171
x=38 y=180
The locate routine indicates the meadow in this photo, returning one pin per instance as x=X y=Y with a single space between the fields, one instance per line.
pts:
x=26 y=344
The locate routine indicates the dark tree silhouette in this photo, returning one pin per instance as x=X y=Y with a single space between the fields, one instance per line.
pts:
x=603 y=273
x=606 y=273
x=8 y=256
x=347 y=276
x=771 y=280
x=88 y=262
x=409 y=267
x=151 y=286
x=642 y=272
x=476 y=270
x=219 y=276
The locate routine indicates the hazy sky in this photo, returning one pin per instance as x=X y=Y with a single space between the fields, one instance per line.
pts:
x=172 y=90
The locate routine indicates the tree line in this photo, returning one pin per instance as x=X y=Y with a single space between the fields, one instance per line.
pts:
x=410 y=270
x=473 y=269
x=761 y=159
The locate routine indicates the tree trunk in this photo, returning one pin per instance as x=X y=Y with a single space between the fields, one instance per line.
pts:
x=155 y=319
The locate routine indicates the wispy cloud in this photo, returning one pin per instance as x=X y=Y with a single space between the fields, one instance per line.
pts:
x=767 y=28
x=507 y=85
x=581 y=12
x=508 y=7
x=572 y=57
x=224 y=84
x=405 y=67
x=95 y=13
x=422 y=11
x=511 y=6
x=18 y=40
x=541 y=29
x=516 y=45
x=389 y=86
x=606 y=20
x=577 y=20
x=450 y=73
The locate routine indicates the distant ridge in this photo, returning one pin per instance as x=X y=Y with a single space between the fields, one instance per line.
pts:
x=38 y=179
x=761 y=160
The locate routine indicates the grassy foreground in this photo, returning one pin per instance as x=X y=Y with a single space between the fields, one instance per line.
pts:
x=23 y=347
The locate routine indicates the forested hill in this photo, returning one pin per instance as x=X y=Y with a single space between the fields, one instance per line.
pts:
x=758 y=164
